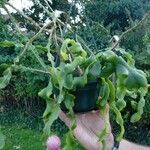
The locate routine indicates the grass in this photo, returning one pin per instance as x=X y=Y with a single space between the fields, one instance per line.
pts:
x=23 y=129
x=18 y=138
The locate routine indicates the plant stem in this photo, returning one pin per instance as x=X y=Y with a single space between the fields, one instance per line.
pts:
x=31 y=69
x=30 y=42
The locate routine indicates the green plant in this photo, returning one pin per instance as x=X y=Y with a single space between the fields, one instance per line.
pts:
x=75 y=69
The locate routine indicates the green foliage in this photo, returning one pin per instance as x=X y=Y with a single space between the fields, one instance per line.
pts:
x=6 y=78
x=2 y=140
x=76 y=68
x=2 y=2
x=77 y=59
x=124 y=69
x=4 y=44
x=116 y=14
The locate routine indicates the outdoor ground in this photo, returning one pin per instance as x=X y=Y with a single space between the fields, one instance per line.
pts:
x=23 y=129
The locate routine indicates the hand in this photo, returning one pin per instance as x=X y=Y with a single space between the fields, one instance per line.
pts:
x=88 y=128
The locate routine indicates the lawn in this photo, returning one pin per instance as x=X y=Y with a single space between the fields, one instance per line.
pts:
x=18 y=138
x=23 y=129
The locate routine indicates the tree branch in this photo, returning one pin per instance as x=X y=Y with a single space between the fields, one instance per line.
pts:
x=12 y=19
x=29 y=42
x=28 y=18
x=131 y=29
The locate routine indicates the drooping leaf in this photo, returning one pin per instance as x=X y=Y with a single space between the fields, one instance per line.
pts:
x=70 y=141
x=63 y=49
x=41 y=48
x=112 y=94
x=107 y=70
x=5 y=44
x=47 y=91
x=69 y=103
x=81 y=80
x=104 y=93
x=50 y=115
x=2 y=140
x=137 y=116
x=104 y=134
x=68 y=84
x=120 y=94
x=4 y=81
x=134 y=105
x=69 y=68
x=95 y=70
x=77 y=50
x=135 y=80
x=131 y=77
x=119 y=121
x=3 y=67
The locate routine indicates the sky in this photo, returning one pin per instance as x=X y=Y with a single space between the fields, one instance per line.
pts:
x=20 y=4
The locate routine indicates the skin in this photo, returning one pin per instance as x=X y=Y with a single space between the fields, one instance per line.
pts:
x=88 y=126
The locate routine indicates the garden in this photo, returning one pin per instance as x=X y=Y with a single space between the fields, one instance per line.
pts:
x=73 y=57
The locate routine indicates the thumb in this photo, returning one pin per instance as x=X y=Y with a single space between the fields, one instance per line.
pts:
x=65 y=119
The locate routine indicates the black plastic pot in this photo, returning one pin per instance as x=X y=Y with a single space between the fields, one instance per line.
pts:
x=86 y=97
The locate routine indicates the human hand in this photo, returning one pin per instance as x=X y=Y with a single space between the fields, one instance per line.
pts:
x=89 y=125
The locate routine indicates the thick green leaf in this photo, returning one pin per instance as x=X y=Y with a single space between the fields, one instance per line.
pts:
x=69 y=68
x=112 y=94
x=134 y=105
x=50 y=115
x=73 y=48
x=68 y=84
x=4 y=81
x=104 y=134
x=70 y=141
x=69 y=103
x=2 y=140
x=46 y=92
x=137 y=116
x=41 y=48
x=63 y=49
x=120 y=94
x=95 y=70
x=3 y=67
x=107 y=70
x=119 y=121
x=130 y=76
x=104 y=93
x=127 y=56
x=81 y=80
x=77 y=50
x=135 y=80
x=7 y=44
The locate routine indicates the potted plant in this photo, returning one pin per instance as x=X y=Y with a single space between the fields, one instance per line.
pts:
x=72 y=82
x=82 y=82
